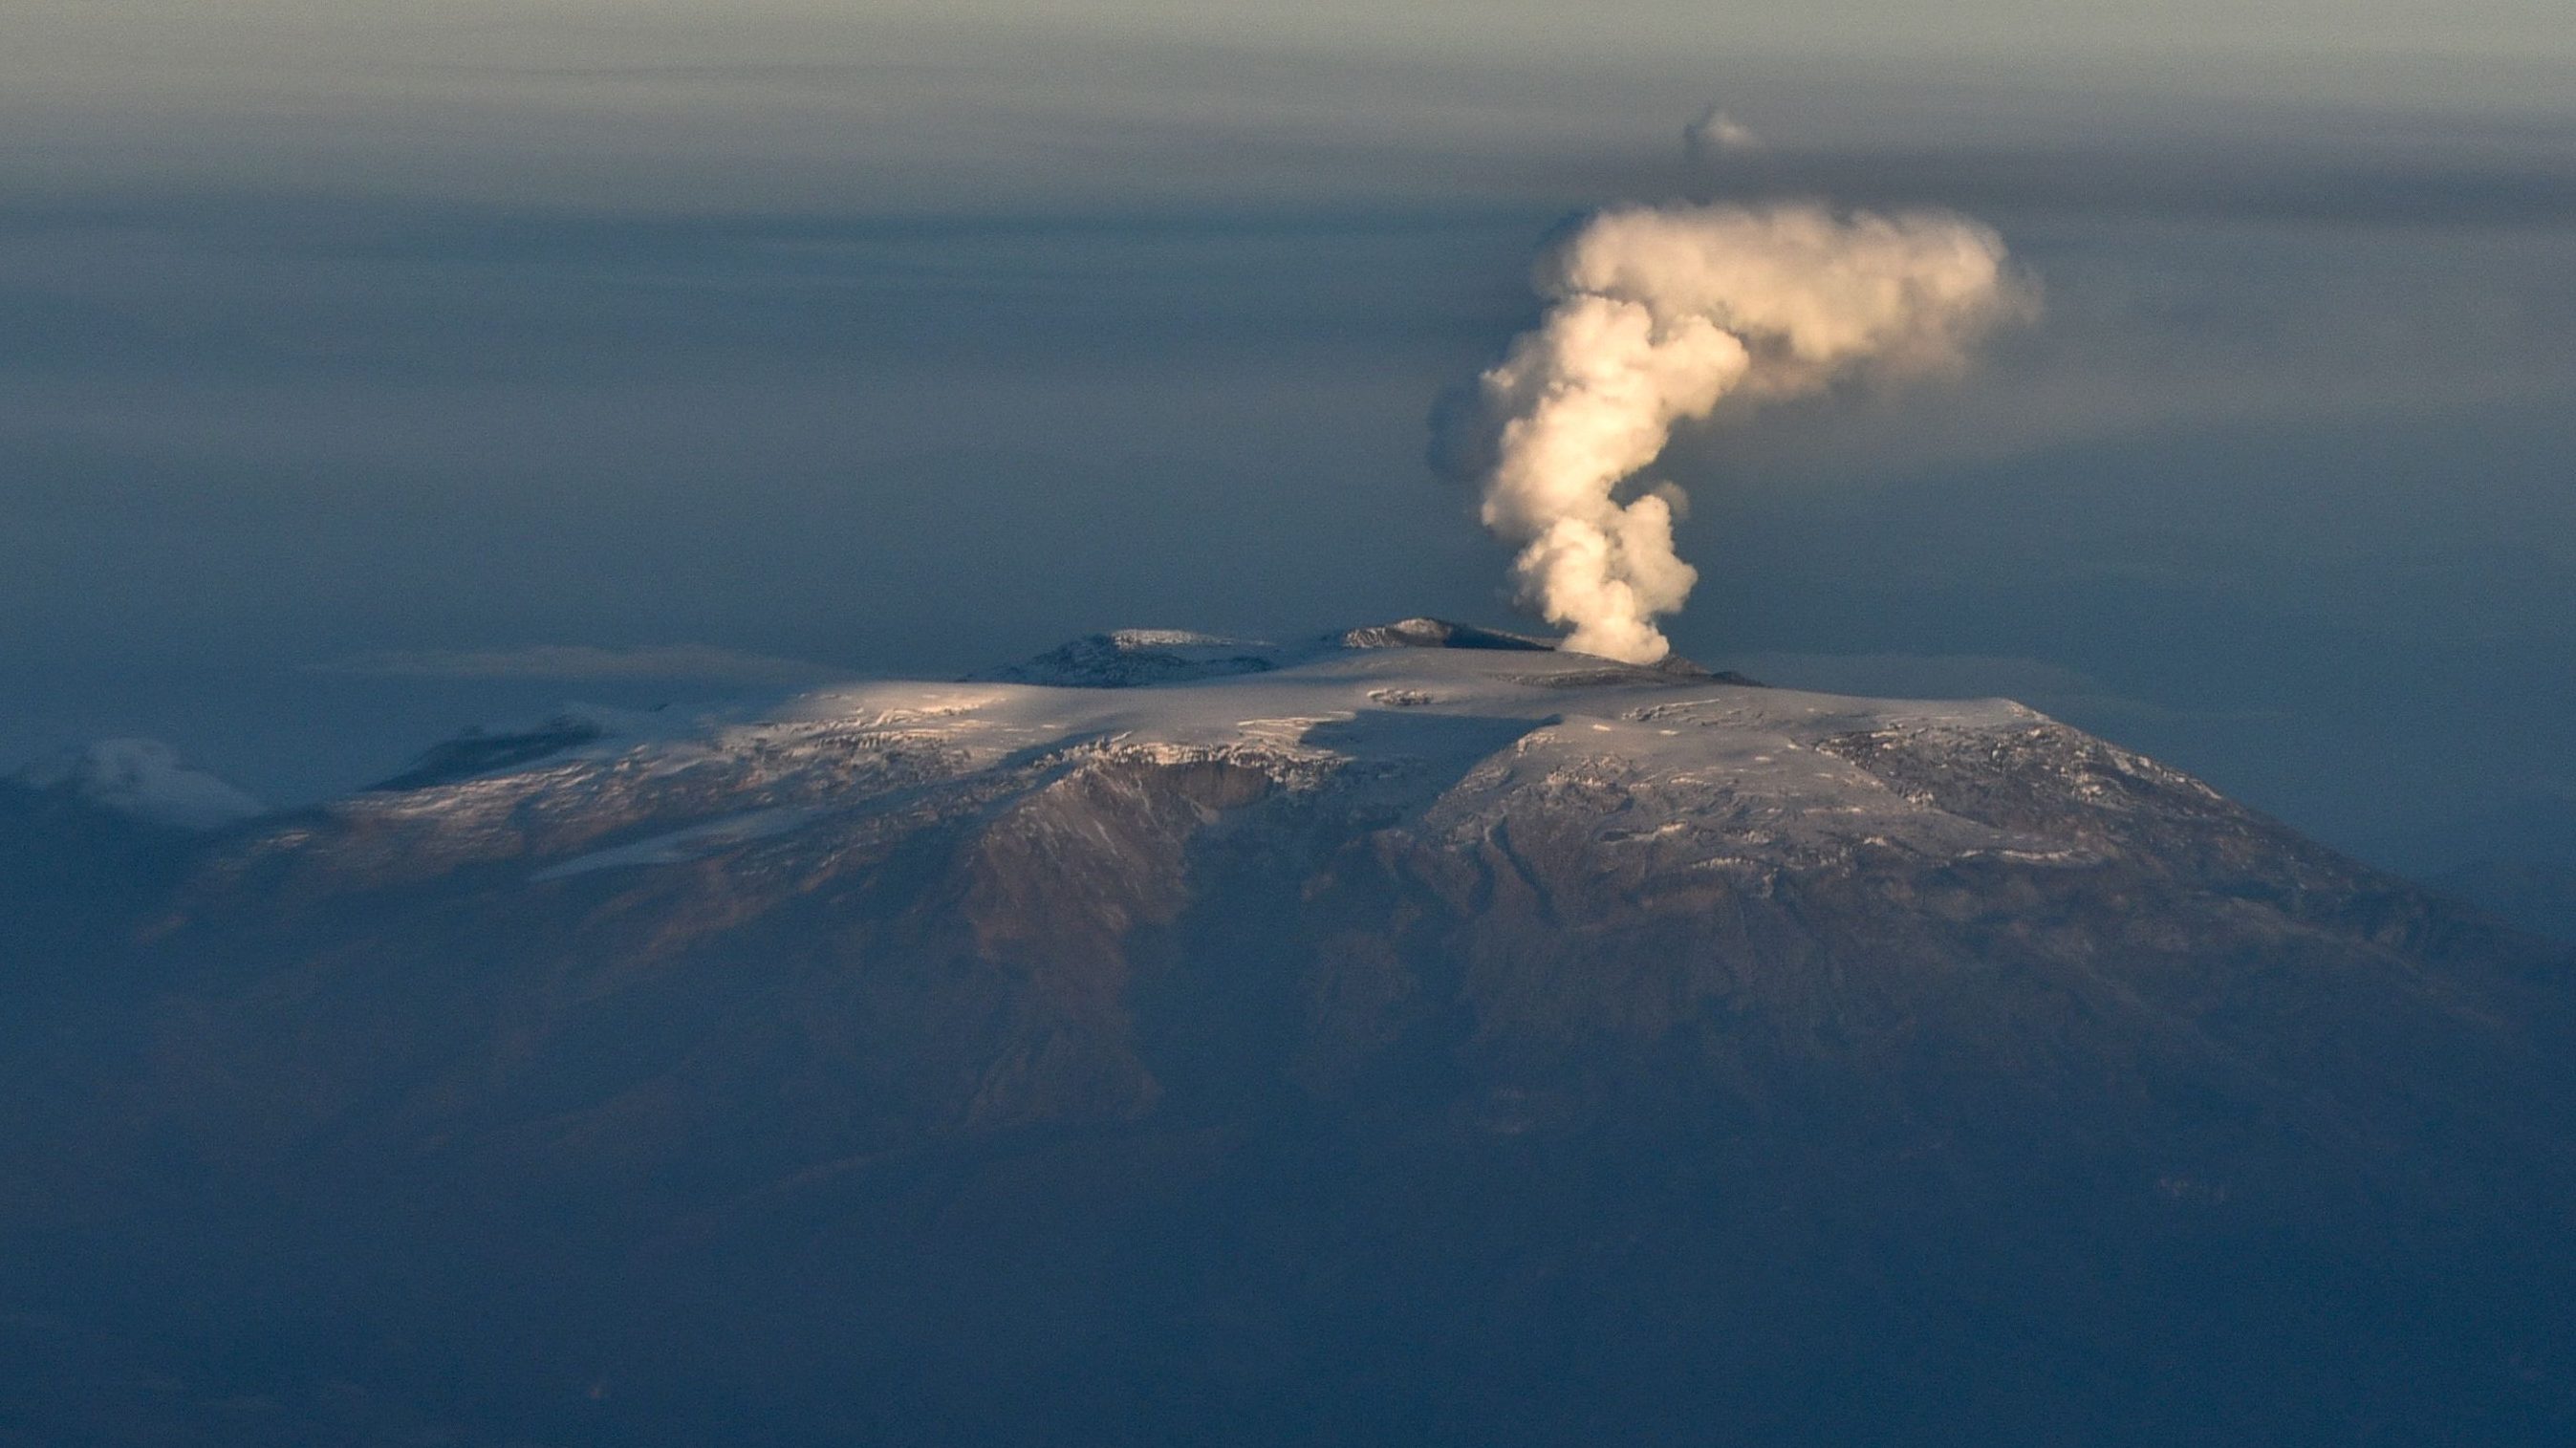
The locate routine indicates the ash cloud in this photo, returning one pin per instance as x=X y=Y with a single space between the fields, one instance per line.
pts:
x=1655 y=315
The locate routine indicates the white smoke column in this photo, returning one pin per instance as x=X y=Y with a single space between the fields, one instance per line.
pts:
x=1655 y=314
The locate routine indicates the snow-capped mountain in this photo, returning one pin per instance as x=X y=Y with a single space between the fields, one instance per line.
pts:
x=1177 y=1038
x=1420 y=723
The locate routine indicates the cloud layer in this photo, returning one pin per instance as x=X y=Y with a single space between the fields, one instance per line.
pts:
x=579 y=662
x=145 y=780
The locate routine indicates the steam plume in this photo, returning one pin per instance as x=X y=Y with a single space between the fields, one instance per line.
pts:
x=1654 y=315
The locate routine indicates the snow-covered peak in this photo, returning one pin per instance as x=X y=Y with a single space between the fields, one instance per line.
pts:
x=1439 y=633
x=1137 y=657
x=1443 y=731
x=1134 y=657
x=1432 y=730
x=143 y=779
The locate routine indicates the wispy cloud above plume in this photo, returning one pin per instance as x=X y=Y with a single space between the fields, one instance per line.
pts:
x=1655 y=315
x=1714 y=134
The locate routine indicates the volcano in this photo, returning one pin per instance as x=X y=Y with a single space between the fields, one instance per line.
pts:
x=1418 y=1035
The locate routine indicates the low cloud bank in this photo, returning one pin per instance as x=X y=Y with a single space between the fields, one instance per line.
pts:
x=143 y=779
x=583 y=662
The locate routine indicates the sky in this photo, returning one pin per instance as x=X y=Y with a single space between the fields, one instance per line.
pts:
x=368 y=371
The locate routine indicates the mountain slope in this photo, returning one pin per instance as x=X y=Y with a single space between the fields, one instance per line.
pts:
x=1392 y=1041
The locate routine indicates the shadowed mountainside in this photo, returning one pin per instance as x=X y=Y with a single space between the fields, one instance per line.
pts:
x=1356 y=1043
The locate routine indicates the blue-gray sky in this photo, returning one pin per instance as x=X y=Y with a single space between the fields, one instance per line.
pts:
x=346 y=350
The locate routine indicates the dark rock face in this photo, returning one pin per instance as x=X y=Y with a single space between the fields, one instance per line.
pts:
x=1134 y=658
x=472 y=754
x=1435 y=633
x=1421 y=1077
x=74 y=876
